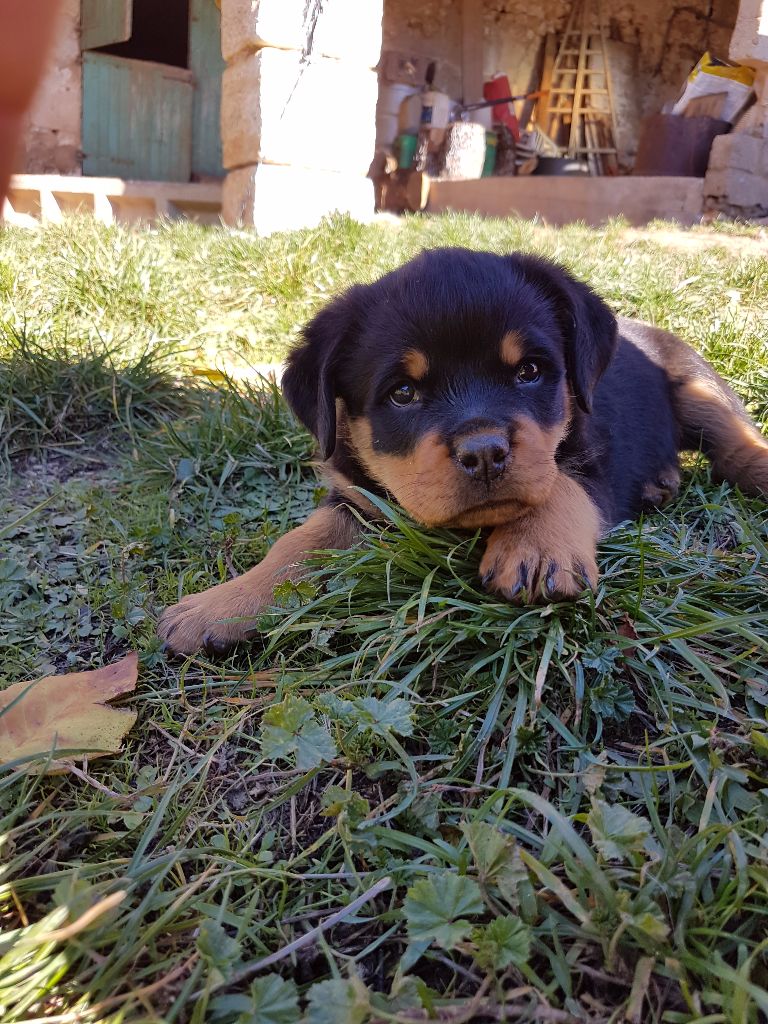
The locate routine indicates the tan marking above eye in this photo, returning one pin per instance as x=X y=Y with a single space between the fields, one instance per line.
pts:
x=415 y=364
x=511 y=348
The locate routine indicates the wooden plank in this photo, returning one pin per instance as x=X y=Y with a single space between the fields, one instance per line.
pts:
x=550 y=50
x=472 y=50
x=534 y=80
x=103 y=22
x=706 y=106
x=207 y=65
x=607 y=76
x=137 y=119
x=592 y=92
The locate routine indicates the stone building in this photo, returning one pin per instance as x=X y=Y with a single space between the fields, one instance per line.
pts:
x=272 y=110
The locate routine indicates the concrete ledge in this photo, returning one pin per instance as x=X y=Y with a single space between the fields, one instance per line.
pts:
x=562 y=200
x=33 y=198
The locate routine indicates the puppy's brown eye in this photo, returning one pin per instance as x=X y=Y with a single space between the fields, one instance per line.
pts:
x=528 y=372
x=403 y=394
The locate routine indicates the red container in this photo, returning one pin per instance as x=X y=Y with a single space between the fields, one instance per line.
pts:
x=501 y=112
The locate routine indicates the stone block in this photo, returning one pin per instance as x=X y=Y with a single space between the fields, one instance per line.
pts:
x=272 y=198
x=277 y=109
x=738 y=151
x=344 y=29
x=737 y=188
x=755 y=120
x=749 y=42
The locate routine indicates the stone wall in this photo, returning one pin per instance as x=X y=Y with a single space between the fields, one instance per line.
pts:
x=52 y=136
x=737 y=178
x=298 y=109
x=428 y=28
x=654 y=44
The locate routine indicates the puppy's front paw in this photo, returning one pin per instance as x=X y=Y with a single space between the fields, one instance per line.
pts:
x=520 y=568
x=213 y=621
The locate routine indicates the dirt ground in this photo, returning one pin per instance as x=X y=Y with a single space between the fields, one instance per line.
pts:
x=691 y=240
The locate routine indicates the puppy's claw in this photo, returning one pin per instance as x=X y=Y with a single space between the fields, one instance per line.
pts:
x=583 y=575
x=520 y=588
x=215 y=646
x=550 y=584
x=487 y=578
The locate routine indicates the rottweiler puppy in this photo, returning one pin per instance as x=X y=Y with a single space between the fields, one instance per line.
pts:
x=494 y=392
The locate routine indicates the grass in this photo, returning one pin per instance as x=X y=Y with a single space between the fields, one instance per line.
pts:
x=407 y=801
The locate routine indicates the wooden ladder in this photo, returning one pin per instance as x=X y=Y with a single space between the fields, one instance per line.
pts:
x=581 y=96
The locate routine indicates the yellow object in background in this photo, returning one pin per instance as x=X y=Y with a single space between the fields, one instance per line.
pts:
x=709 y=65
x=714 y=77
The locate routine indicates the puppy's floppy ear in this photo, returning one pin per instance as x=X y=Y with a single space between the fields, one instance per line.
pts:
x=309 y=380
x=589 y=327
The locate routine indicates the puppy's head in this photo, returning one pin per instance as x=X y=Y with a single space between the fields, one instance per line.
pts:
x=454 y=379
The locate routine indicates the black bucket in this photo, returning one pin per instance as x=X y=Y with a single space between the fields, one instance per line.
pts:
x=560 y=165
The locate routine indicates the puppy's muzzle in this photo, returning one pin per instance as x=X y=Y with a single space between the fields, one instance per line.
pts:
x=484 y=456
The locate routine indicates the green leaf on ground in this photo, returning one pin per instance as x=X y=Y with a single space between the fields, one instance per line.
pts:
x=338 y=1001
x=435 y=908
x=275 y=1000
x=337 y=800
x=616 y=831
x=290 y=729
x=219 y=950
x=496 y=857
x=505 y=941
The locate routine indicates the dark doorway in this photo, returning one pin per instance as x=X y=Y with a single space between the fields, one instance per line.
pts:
x=160 y=33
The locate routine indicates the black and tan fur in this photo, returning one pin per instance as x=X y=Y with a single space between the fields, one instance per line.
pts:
x=482 y=391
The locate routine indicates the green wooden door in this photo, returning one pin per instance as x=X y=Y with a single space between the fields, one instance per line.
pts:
x=137 y=114
x=137 y=119
x=207 y=65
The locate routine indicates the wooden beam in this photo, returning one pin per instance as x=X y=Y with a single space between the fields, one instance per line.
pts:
x=472 y=50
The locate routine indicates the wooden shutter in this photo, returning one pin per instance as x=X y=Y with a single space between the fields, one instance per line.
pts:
x=103 y=22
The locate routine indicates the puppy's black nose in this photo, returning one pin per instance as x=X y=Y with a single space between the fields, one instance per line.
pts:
x=483 y=456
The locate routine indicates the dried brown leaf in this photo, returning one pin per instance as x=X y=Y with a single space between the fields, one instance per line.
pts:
x=64 y=713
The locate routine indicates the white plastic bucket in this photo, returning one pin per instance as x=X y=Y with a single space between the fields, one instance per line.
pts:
x=391 y=96
x=435 y=109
